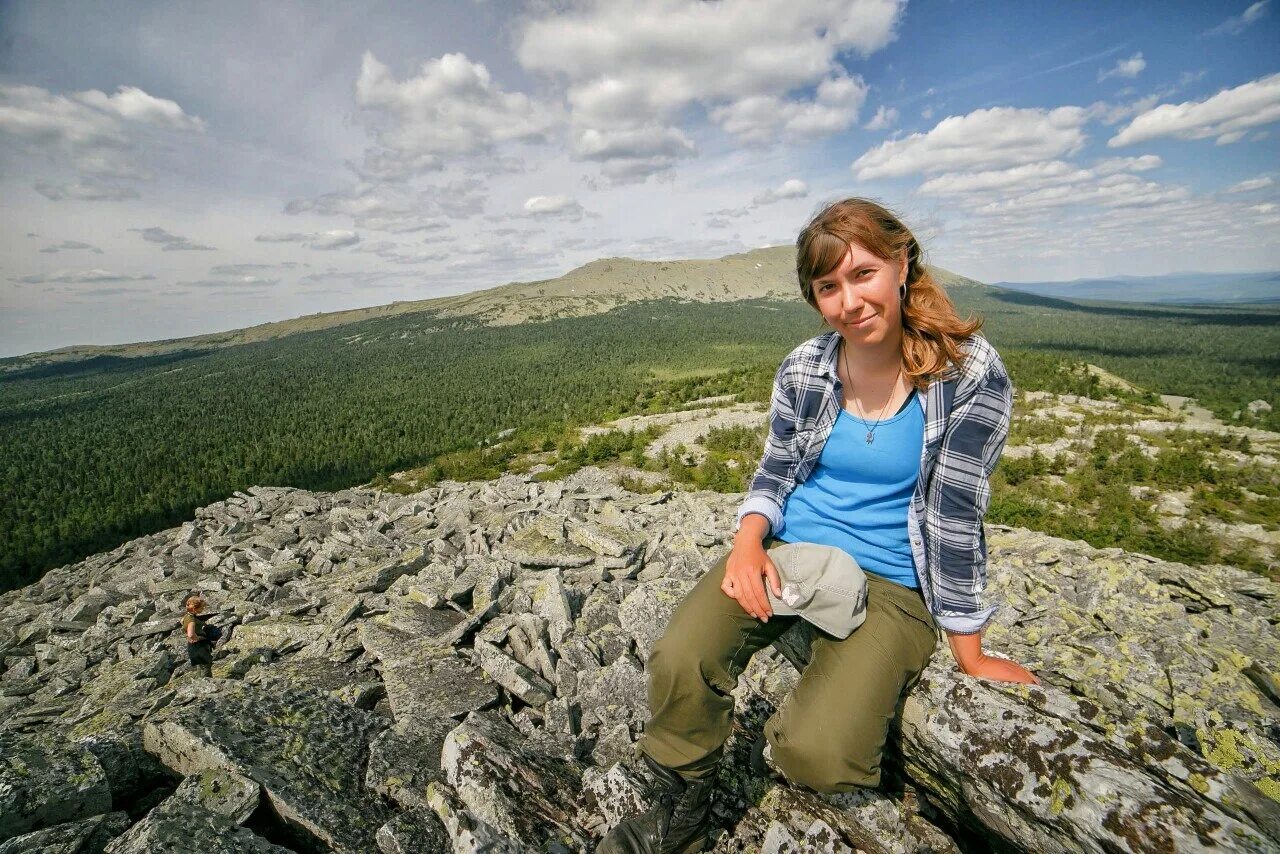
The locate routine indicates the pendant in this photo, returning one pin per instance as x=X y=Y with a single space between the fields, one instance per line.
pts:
x=870 y=437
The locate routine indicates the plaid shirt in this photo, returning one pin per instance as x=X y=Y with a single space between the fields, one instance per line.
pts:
x=967 y=412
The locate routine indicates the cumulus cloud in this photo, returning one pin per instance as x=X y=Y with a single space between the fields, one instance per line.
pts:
x=791 y=189
x=1127 y=164
x=396 y=207
x=1250 y=185
x=451 y=107
x=765 y=118
x=1227 y=115
x=70 y=245
x=631 y=68
x=249 y=269
x=885 y=118
x=333 y=239
x=80 y=277
x=1130 y=67
x=1237 y=24
x=88 y=189
x=96 y=134
x=170 y=242
x=399 y=253
x=992 y=138
x=281 y=237
x=563 y=207
x=232 y=282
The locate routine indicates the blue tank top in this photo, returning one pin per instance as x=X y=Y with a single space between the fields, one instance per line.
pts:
x=856 y=497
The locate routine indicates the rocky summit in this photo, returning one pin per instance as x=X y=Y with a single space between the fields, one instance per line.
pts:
x=462 y=669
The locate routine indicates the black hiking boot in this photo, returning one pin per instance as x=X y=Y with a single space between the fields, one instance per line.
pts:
x=676 y=824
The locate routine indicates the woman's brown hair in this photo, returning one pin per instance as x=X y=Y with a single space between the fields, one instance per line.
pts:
x=932 y=331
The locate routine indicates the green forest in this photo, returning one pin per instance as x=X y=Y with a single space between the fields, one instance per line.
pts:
x=98 y=452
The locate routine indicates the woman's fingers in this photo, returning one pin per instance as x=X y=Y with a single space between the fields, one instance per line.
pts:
x=771 y=573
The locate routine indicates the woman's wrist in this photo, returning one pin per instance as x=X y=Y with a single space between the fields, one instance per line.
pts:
x=966 y=648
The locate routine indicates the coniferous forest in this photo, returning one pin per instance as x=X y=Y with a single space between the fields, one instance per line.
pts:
x=97 y=452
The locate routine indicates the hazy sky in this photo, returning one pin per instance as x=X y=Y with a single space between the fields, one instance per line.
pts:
x=173 y=168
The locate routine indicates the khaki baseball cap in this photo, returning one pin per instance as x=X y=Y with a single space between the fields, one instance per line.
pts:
x=822 y=584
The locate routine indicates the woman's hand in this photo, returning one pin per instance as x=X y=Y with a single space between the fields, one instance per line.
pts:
x=744 y=575
x=968 y=653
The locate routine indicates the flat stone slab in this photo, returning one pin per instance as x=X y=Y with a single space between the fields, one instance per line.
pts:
x=179 y=825
x=306 y=750
x=41 y=786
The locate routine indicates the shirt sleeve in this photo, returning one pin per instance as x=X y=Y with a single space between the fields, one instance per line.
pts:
x=774 y=477
x=971 y=447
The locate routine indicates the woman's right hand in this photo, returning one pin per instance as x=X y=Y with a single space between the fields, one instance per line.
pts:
x=745 y=574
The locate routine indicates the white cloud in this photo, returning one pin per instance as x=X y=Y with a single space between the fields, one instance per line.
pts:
x=96 y=134
x=885 y=118
x=232 y=282
x=170 y=242
x=1227 y=115
x=1250 y=185
x=1127 y=164
x=79 y=277
x=1027 y=177
x=334 y=239
x=70 y=245
x=1130 y=67
x=984 y=139
x=1237 y=24
x=395 y=207
x=565 y=207
x=632 y=154
x=451 y=108
x=631 y=68
x=765 y=118
x=791 y=189
x=87 y=189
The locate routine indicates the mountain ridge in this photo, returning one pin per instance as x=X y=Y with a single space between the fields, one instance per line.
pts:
x=591 y=288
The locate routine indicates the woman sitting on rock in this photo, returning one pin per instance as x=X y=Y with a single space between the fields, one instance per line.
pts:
x=883 y=432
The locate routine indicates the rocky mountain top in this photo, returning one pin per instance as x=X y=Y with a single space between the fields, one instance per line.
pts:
x=461 y=669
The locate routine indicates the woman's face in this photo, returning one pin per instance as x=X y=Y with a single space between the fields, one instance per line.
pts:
x=860 y=296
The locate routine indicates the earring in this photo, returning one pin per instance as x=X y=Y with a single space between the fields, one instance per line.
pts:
x=902 y=291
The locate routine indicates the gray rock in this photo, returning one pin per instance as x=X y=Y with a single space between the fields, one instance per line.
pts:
x=512 y=675
x=526 y=796
x=42 y=786
x=307 y=751
x=87 y=836
x=178 y=825
x=416 y=832
x=222 y=792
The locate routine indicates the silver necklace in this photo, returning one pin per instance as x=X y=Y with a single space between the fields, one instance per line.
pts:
x=871 y=431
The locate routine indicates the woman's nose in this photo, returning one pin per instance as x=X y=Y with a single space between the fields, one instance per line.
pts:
x=850 y=299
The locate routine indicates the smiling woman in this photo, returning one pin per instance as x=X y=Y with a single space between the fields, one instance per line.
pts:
x=902 y=500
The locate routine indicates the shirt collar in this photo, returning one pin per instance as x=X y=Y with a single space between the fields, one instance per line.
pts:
x=827 y=358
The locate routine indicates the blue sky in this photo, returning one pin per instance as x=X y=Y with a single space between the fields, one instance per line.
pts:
x=168 y=169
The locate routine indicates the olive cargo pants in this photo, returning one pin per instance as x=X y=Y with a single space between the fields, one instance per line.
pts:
x=830 y=731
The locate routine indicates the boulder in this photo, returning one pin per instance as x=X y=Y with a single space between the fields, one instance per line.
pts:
x=307 y=751
x=42 y=785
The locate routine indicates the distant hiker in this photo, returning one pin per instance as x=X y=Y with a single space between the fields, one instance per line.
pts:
x=200 y=635
x=883 y=433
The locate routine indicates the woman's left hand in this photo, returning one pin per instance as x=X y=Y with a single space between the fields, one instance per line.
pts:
x=968 y=653
x=1000 y=669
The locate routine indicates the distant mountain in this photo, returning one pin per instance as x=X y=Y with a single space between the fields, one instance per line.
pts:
x=1177 y=288
x=593 y=288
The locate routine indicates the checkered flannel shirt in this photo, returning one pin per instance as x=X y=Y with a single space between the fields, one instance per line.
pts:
x=967 y=411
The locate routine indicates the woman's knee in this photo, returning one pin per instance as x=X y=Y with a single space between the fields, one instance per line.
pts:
x=815 y=764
